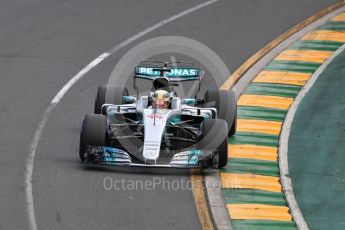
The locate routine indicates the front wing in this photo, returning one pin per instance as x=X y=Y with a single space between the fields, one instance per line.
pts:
x=101 y=155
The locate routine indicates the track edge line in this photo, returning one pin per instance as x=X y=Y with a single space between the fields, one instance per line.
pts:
x=30 y=159
x=284 y=142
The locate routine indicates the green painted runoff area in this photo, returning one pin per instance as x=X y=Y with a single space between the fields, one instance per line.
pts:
x=317 y=150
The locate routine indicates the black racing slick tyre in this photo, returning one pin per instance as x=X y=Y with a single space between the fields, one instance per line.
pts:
x=225 y=101
x=93 y=132
x=215 y=137
x=109 y=94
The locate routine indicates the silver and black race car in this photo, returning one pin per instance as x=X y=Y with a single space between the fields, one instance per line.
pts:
x=159 y=129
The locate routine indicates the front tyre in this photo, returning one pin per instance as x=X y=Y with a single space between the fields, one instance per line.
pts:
x=93 y=132
x=215 y=138
x=225 y=101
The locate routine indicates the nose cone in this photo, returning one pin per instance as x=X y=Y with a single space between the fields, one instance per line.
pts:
x=154 y=122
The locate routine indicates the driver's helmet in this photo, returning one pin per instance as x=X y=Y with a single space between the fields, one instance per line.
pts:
x=160 y=99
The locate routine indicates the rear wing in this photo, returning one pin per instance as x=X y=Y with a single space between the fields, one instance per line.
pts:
x=172 y=73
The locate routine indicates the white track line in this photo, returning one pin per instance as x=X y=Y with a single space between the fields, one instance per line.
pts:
x=284 y=143
x=29 y=166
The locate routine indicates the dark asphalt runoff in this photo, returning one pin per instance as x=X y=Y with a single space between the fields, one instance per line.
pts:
x=316 y=150
x=43 y=43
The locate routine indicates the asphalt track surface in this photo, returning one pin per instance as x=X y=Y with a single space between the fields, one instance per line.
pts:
x=44 y=43
x=316 y=150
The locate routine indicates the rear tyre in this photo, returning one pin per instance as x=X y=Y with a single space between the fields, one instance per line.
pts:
x=225 y=101
x=215 y=137
x=93 y=132
x=109 y=94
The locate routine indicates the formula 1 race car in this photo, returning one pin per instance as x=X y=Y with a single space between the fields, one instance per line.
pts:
x=159 y=129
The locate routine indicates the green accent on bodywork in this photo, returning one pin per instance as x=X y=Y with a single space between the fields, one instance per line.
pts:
x=254 y=139
x=293 y=66
x=273 y=89
x=337 y=26
x=128 y=99
x=189 y=101
x=316 y=45
x=174 y=119
x=251 y=196
x=258 y=167
x=261 y=113
x=262 y=225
